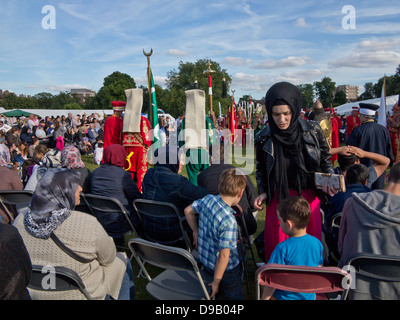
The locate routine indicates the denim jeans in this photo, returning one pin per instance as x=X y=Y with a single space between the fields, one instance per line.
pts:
x=231 y=283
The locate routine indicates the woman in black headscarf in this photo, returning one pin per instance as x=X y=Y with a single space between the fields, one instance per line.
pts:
x=164 y=183
x=288 y=153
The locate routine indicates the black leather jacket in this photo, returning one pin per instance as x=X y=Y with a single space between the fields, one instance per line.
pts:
x=318 y=158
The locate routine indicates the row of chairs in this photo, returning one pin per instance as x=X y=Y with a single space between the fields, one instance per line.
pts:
x=183 y=278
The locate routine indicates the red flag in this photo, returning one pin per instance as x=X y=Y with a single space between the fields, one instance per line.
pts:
x=232 y=124
x=209 y=85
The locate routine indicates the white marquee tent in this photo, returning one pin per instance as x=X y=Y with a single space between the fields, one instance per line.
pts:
x=347 y=107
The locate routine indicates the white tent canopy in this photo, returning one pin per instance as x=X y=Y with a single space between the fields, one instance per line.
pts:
x=347 y=107
x=64 y=112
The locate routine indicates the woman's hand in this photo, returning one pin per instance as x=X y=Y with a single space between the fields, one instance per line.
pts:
x=259 y=201
x=329 y=190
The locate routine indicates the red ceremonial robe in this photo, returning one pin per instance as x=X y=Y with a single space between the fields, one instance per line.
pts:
x=352 y=122
x=335 y=138
x=138 y=143
x=112 y=131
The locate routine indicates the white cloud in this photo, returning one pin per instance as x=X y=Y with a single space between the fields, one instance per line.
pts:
x=283 y=63
x=236 y=61
x=63 y=88
x=368 y=60
x=300 y=77
x=381 y=44
x=301 y=22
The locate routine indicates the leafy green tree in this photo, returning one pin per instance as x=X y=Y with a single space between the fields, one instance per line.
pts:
x=308 y=96
x=11 y=101
x=368 y=92
x=44 y=100
x=178 y=81
x=60 y=100
x=325 y=90
x=340 y=98
x=72 y=106
x=113 y=89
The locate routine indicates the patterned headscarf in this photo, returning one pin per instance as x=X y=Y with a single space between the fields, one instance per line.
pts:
x=71 y=158
x=52 y=202
x=4 y=155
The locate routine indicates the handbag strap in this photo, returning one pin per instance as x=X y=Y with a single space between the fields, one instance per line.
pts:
x=68 y=251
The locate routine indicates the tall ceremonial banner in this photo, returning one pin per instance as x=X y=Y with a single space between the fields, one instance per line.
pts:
x=153 y=115
x=382 y=108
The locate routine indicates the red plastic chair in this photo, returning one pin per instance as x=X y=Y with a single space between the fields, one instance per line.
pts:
x=318 y=280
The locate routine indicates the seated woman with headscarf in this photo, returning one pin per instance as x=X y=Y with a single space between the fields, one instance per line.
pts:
x=51 y=213
x=10 y=179
x=71 y=159
x=164 y=183
x=111 y=180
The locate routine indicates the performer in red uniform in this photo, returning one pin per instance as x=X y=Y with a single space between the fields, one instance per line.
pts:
x=394 y=130
x=353 y=121
x=113 y=125
x=335 y=134
x=136 y=136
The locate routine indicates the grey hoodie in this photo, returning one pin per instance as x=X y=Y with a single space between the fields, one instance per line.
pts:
x=370 y=224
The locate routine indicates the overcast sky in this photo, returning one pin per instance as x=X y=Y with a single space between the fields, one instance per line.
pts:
x=258 y=42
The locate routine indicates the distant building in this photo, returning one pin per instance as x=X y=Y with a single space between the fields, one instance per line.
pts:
x=351 y=91
x=82 y=94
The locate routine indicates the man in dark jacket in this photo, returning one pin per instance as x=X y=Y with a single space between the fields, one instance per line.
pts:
x=111 y=180
x=372 y=137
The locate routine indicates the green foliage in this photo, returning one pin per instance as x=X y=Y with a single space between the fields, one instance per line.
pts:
x=368 y=92
x=178 y=81
x=340 y=98
x=325 y=90
x=63 y=98
x=307 y=92
x=113 y=89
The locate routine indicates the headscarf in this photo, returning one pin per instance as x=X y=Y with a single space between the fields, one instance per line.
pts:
x=167 y=157
x=71 y=158
x=115 y=154
x=4 y=155
x=52 y=202
x=60 y=143
x=287 y=143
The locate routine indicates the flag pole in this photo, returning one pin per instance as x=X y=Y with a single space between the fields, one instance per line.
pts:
x=209 y=72
x=148 y=55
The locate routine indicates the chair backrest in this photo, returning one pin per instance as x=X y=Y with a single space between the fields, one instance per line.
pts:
x=107 y=205
x=157 y=210
x=165 y=257
x=65 y=280
x=303 y=279
x=377 y=272
x=336 y=220
x=14 y=197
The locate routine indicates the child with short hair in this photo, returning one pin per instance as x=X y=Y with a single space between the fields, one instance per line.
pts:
x=216 y=234
x=300 y=249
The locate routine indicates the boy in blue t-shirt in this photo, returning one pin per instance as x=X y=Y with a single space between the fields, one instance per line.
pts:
x=215 y=235
x=300 y=249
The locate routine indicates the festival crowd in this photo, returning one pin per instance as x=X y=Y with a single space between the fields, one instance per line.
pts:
x=305 y=224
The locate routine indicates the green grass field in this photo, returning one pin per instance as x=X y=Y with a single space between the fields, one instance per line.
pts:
x=140 y=282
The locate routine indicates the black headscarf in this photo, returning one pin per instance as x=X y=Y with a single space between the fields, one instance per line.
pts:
x=287 y=143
